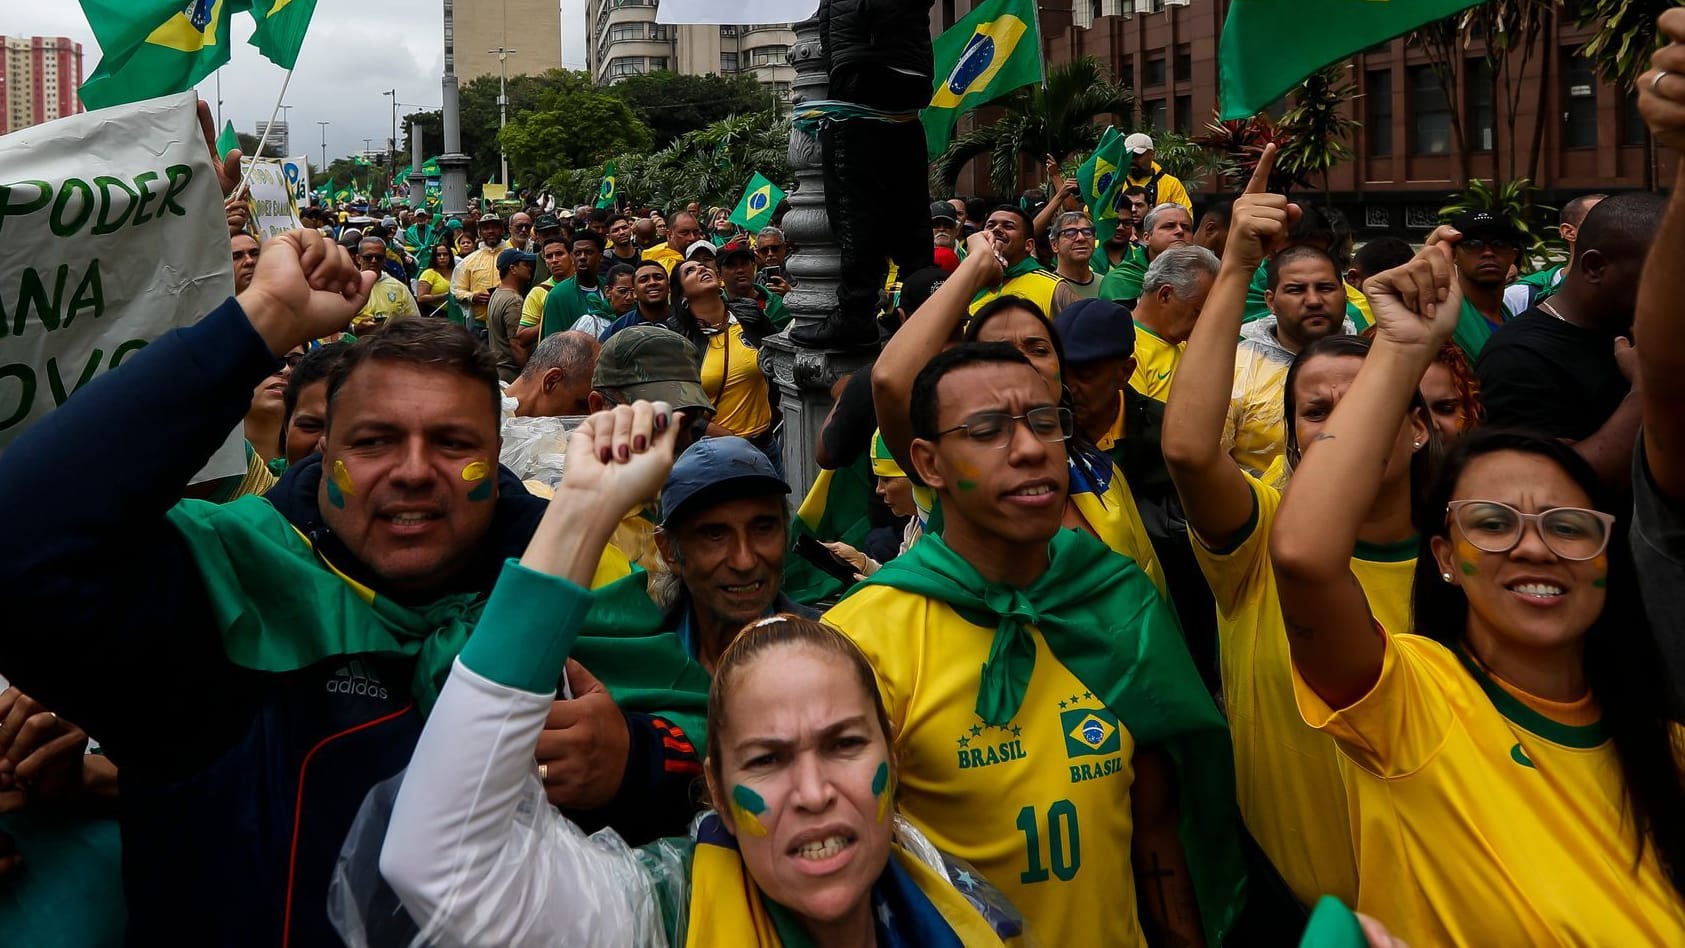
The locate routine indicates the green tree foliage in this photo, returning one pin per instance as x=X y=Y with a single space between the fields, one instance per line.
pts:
x=1317 y=127
x=1625 y=36
x=432 y=135
x=1059 y=121
x=477 y=103
x=570 y=128
x=671 y=104
x=710 y=165
x=1517 y=202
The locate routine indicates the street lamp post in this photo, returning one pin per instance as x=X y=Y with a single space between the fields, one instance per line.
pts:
x=392 y=143
x=503 y=54
x=324 y=126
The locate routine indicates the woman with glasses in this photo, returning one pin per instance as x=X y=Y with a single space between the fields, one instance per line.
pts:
x=1506 y=752
x=433 y=286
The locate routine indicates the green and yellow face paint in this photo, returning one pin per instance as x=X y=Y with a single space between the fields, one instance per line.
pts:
x=1467 y=557
x=1600 y=562
x=880 y=790
x=339 y=485
x=478 y=473
x=968 y=476
x=746 y=809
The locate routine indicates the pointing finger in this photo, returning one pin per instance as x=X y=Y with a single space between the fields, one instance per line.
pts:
x=1260 y=182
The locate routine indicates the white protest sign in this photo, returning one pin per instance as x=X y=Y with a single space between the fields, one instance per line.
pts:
x=270 y=198
x=297 y=171
x=112 y=233
x=742 y=12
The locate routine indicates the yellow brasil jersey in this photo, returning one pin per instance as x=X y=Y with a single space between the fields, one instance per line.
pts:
x=1287 y=775
x=732 y=380
x=532 y=308
x=1155 y=363
x=1037 y=286
x=1480 y=820
x=388 y=300
x=664 y=255
x=1039 y=806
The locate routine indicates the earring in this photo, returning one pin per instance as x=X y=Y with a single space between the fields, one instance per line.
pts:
x=1445 y=576
x=1416 y=445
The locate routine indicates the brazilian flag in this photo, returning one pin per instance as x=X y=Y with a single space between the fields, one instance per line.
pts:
x=609 y=190
x=359 y=161
x=994 y=50
x=1101 y=181
x=155 y=47
x=754 y=209
x=836 y=508
x=280 y=28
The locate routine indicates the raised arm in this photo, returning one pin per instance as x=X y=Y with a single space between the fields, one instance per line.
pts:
x=471 y=864
x=1659 y=323
x=1335 y=644
x=1214 y=492
x=922 y=336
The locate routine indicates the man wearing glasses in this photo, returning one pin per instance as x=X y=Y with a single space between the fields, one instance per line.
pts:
x=1073 y=247
x=520 y=232
x=390 y=298
x=771 y=249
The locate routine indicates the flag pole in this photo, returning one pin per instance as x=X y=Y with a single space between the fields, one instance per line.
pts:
x=1046 y=129
x=264 y=138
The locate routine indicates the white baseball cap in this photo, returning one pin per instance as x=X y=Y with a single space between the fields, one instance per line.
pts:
x=1138 y=143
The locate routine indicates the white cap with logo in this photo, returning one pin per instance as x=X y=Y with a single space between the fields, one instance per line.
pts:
x=1138 y=143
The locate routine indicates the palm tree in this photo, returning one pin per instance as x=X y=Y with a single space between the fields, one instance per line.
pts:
x=1056 y=118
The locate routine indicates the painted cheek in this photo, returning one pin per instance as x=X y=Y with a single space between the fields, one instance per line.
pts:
x=340 y=485
x=746 y=809
x=1601 y=564
x=478 y=473
x=880 y=790
x=1467 y=557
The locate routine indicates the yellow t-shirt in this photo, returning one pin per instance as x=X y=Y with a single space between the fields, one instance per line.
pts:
x=388 y=300
x=1480 y=821
x=1037 y=286
x=1287 y=775
x=740 y=400
x=664 y=255
x=532 y=308
x=1155 y=364
x=1036 y=806
x=435 y=282
x=1255 y=431
x=1111 y=513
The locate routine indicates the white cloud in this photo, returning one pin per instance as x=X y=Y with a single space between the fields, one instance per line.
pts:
x=355 y=50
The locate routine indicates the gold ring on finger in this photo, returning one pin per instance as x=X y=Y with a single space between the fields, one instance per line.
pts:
x=543 y=772
x=1655 y=83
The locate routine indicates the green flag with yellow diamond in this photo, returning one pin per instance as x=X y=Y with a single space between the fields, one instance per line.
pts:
x=760 y=199
x=280 y=28
x=609 y=190
x=1100 y=181
x=995 y=49
x=151 y=48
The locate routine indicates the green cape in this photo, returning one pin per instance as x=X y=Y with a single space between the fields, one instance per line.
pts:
x=1104 y=621
x=279 y=608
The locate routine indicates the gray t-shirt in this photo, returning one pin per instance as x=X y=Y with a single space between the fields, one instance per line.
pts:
x=503 y=321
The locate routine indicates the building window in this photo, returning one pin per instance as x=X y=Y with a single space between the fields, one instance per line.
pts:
x=769 y=56
x=1126 y=71
x=1185 y=114
x=657 y=62
x=1477 y=79
x=625 y=31
x=1431 y=117
x=1633 y=129
x=1183 y=68
x=661 y=32
x=1158 y=6
x=728 y=63
x=728 y=31
x=1153 y=113
x=1579 y=101
x=626 y=66
x=1155 y=72
x=1377 y=123
x=781 y=91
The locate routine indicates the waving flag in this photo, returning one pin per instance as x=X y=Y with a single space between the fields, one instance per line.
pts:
x=1266 y=50
x=754 y=209
x=151 y=48
x=1100 y=181
x=280 y=28
x=227 y=140
x=609 y=190
x=994 y=50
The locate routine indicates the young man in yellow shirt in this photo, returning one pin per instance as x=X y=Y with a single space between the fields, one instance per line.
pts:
x=1037 y=684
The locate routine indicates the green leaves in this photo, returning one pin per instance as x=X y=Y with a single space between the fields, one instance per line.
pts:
x=704 y=165
x=570 y=129
x=1517 y=202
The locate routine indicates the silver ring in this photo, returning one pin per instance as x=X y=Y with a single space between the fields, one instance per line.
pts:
x=1657 y=81
x=543 y=772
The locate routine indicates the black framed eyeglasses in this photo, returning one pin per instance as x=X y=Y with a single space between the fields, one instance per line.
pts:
x=1479 y=244
x=993 y=429
x=1072 y=233
x=371 y=257
x=1573 y=533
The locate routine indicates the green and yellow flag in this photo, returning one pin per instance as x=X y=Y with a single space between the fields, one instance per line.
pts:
x=1100 y=181
x=1266 y=50
x=151 y=48
x=609 y=190
x=280 y=29
x=760 y=199
x=994 y=50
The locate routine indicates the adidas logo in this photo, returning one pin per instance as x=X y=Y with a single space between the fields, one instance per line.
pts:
x=356 y=678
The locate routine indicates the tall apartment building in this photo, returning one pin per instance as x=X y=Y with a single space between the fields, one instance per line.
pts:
x=38 y=80
x=279 y=144
x=533 y=28
x=625 y=40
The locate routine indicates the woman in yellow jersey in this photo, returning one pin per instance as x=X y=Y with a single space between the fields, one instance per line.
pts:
x=1508 y=760
x=803 y=845
x=433 y=286
x=727 y=336
x=1099 y=500
x=1286 y=774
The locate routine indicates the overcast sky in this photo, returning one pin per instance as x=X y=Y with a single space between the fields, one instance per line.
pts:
x=355 y=50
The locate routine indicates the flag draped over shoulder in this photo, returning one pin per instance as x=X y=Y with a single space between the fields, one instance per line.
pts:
x=1103 y=619
x=1100 y=181
x=280 y=28
x=151 y=48
x=760 y=198
x=837 y=507
x=1266 y=49
x=609 y=190
x=995 y=49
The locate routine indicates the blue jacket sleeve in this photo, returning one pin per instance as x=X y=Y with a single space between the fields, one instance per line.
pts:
x=104 y=608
